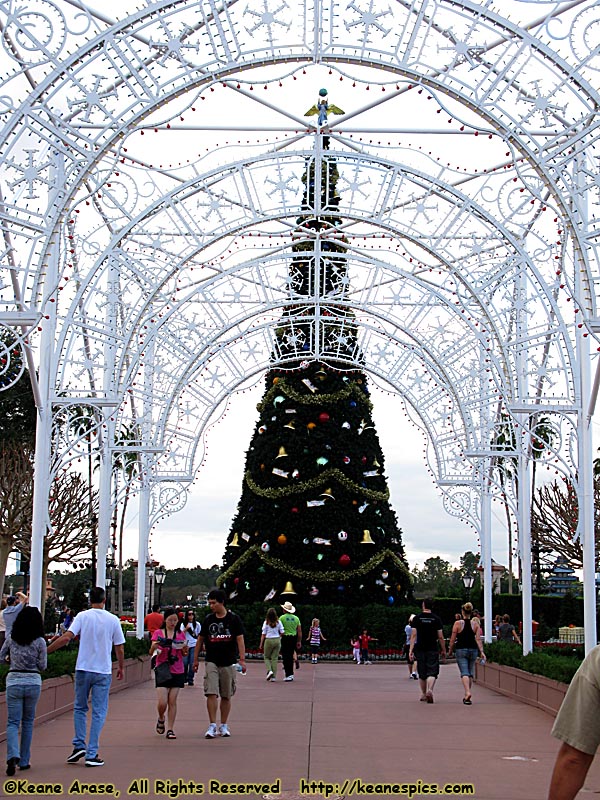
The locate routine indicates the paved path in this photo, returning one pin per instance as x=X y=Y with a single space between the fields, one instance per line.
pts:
x=334 y=722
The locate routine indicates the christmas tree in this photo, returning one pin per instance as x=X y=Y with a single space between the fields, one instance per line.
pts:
x=314 y=520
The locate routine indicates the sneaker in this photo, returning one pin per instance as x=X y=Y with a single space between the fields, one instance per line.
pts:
x=78 y=752
x=212 y=731
x=414 y=676
x=273 y=679
x=289 y=678
x=94 y=761
x=224 y=730
x=269 y=674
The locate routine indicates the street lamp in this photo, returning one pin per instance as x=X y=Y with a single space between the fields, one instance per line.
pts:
x=468 y=580
x=107 y=582
x=150 y=578
x=160 y=574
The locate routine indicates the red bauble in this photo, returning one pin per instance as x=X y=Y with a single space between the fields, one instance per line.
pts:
x=236 y=580
x=344 y=560
x=323 y=416
x=294 y=510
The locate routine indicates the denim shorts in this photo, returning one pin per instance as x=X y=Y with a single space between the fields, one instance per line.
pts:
x=466 y=658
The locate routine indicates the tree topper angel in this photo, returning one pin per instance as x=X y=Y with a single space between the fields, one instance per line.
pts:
x=322 y=108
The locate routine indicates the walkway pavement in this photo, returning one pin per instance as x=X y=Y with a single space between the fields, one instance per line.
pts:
x=335 y=722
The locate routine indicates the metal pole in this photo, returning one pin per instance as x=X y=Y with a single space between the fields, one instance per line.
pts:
x=105 y=498
x=585 y=522
x=144 y=524
x=43 y=431
x=486 y=555
x=145 y=478
x=524 y=502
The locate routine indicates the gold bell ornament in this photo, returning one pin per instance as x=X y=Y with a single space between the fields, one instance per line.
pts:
x=234 y=541
x=366 y=539
x=281 y=453
x=291 y=425
x=288 y=589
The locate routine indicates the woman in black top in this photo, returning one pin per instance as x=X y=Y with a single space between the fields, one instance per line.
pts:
x=466 y=634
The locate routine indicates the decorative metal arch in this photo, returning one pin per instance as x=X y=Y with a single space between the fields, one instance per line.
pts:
x=148 y=287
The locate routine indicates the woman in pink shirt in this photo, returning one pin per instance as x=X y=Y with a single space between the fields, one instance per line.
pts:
x=169 y=642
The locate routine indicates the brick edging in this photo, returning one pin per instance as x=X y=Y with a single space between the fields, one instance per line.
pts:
x=535 y=690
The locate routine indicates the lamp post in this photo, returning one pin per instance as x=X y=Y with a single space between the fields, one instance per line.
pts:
x=468 y=580
x=160 y=574
x=150 y=578
x=107 y=582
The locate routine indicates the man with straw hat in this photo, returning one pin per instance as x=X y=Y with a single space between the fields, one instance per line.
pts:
x=291 y=639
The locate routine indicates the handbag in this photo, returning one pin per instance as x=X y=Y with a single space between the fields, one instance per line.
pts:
x=162 y=673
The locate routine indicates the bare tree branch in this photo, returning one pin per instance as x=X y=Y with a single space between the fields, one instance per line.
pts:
x=554 y=517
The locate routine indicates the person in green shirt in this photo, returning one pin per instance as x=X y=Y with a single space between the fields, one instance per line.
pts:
x=291 y=639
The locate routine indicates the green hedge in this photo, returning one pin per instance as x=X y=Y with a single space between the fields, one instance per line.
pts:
x=62 y=662
x=559 y=664
x=339 y=623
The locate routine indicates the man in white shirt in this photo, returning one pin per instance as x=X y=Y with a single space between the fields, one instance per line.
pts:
x=98 y=632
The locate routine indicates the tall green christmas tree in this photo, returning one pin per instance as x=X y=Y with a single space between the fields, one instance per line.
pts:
x=314 y=521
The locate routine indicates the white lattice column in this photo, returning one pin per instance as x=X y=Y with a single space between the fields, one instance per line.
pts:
x=486 y=553
x=586 y=501
x=146 y=487
x=107 y=433
x=144 y=529
x=585 y=454
x=43 y=432
x=105 y=502
x=524 y=522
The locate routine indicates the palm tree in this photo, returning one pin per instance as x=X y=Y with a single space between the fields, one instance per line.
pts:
x=504 y=439
x=540 y=439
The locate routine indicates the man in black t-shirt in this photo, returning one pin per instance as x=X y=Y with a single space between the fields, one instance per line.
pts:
x=222 y=635
x=426 y=641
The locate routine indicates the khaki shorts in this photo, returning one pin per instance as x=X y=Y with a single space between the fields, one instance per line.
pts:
x=219 y=680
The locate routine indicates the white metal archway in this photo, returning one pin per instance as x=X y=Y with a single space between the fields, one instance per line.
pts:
x=152 y=160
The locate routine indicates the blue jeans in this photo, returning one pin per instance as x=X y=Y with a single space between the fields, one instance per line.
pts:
x=98 y=685
x=188 y=666
x=21 y=700
x=466 y=658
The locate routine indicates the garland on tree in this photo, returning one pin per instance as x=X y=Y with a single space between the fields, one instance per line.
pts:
x=316 y=483
x=297 y=572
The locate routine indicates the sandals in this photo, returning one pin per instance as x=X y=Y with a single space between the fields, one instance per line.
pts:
x=171 y=735
x=467 y=700
x=160 y=726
